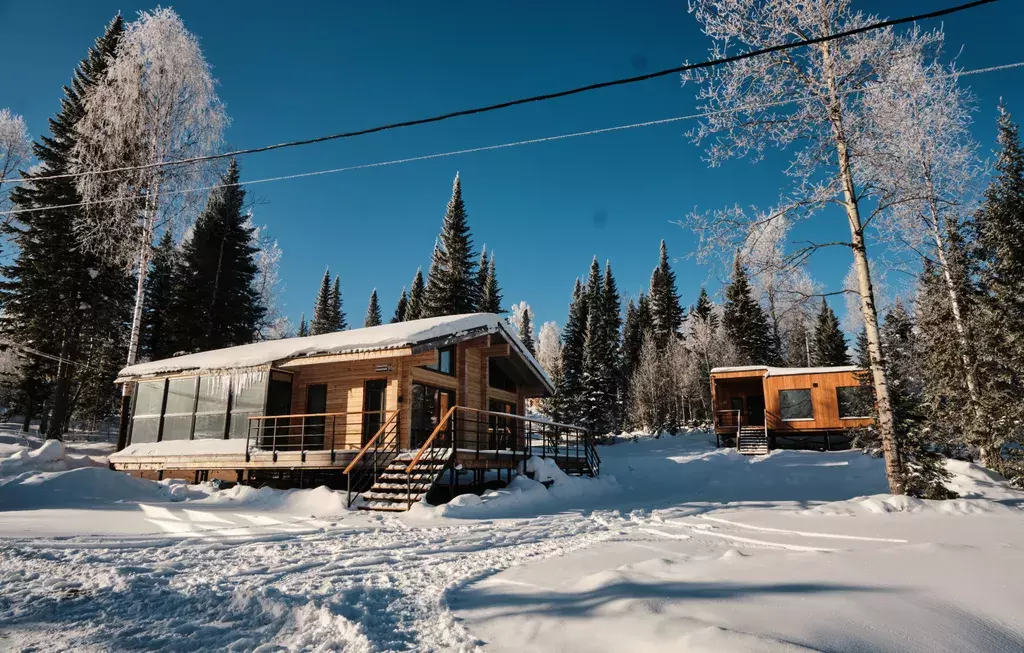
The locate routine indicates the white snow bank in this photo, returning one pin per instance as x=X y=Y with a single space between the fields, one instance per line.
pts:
x=524 y=495
x=50 y=457
x=79 y=487
x=383 y=337
x=180 y=448
x=321 y=501
x=981 y=492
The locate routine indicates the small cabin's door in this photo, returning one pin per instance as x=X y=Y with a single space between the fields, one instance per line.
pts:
x=374 y=404
x=313 y=427
x=279 y=402
x=429 y=405
x=755 y=410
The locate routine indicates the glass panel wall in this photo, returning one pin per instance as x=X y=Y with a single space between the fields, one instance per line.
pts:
x=248 y=397
x=181 y=401
x=212 y=407
x=148 y=402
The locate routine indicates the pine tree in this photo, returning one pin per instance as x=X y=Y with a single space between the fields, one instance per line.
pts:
x=924 y=469
x=56 y=295
x=373 y=311
x=863 y=358
x=303 y=327
x=323 y=318
x=158 y=324
x=526 y=332
x=570 y=389
x=745 y=321
x=216 y=304
x=612 y=323
x=452 y=284
x=414 y=310
x=798 y=345
x=829 y=342
x=336 y=307
x=401 y=308
x=665 y=308
x=490 y=301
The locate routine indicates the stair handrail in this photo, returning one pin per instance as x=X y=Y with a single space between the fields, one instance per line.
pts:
x=423 y=449
x=372 y=441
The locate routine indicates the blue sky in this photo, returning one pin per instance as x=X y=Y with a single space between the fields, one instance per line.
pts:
x=296 y=70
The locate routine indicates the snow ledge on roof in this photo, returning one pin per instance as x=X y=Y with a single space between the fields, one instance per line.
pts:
x=787 y=371
x=378 y=338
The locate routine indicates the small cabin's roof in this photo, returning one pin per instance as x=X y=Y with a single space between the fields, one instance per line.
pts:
x=442 y=330
x=784 y=371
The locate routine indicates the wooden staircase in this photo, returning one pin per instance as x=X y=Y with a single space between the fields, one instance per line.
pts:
x=752 y=441
x=396 y=491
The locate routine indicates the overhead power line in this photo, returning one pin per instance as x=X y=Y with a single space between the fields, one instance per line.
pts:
x=536 y=98
x=472 y=150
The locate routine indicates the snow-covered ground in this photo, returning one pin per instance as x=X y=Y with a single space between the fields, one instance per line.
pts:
x=676 y=547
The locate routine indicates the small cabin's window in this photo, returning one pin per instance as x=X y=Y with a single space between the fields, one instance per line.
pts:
x=498 y=379
x=795 y=405
x=854 y=401
x=445 y=363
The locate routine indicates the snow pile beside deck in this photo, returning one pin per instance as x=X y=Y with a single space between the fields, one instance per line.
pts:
x=317 y=502
x=549 y=488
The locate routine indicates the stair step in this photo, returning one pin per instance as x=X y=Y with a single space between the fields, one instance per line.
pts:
x=393 y=497
x=401 y=478
x=389 y=507
x=416 y=487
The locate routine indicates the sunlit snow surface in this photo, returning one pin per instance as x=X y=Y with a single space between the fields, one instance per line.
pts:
x=676 y=547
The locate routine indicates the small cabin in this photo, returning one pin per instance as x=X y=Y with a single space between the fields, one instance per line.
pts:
x=383 y=411
x=758 y=407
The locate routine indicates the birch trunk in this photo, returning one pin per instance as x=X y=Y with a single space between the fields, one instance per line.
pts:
x=883 y=403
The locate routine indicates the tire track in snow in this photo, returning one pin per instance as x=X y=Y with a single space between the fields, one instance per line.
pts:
x=381 y=588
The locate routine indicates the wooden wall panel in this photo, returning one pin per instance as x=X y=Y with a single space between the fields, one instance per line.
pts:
x=823 y=399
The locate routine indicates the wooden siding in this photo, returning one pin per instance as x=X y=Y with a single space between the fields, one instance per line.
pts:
x=823 y=399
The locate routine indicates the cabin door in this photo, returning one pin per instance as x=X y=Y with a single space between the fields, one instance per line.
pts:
x=279 y=402
x=755 y=410
x=313 y=425
x=429 y=405
x=374 y=404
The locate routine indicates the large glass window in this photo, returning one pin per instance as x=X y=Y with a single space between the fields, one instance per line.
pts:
x=212 y=407
x=445 y=363
x=854 y=401
x=149 y=400
x=181 y=399
x=795 y=405
x=247 y=398
x=497 y=378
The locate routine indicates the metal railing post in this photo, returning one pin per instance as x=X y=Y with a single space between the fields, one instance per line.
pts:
x=248 y=435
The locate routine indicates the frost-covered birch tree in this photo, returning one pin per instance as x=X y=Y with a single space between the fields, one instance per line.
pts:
x=549 y=348
x=268 y=286
x=923 y=164
x=156 y=105
x=15 y=151
x=809 y=98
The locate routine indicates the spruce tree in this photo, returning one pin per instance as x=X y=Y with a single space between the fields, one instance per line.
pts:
x=745 y=321
x=829 y=348
x=303 y=327
x=56 y=296
x=999 y=236
x=490 y=301
x=526 y=332
x=798 y=345
x=863 y=358
x=401 y=308
x=704 y=310
x=481 y=279
x=612 y=321
x=414 y=310
x=373 y=311
x=323 y=318
x=923 y=466
x=336 y=309
x=158 y=315
x=666 y=312
x=570 y=389
x=452 y=284
x=216 y=304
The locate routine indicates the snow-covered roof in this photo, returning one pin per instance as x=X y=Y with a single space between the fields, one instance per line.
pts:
x=786 y=371
x=378 y=338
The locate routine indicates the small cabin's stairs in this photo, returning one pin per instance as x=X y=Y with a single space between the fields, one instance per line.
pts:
x=394 y=490
x=752 y=441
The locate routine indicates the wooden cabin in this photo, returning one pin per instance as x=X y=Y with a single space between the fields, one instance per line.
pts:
x=382 y=411
x=758 y=408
